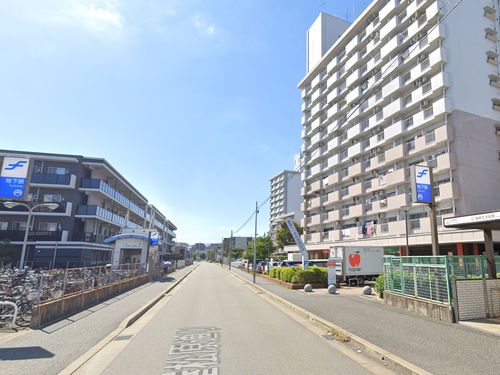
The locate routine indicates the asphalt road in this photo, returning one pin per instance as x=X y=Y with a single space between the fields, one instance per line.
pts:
x=49 y=350
x=437 y=347
x=216 y=323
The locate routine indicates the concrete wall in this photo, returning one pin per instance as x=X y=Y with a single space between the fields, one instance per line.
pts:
x=55 y=310
x=476 y=299
x=420 y=307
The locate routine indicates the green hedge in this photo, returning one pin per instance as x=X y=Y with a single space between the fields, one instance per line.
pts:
x=272 y=272
x=315 y=275
x=304 y=277
x=288 y=273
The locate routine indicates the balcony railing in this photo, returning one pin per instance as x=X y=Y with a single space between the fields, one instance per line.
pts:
x=90 y=237
x=18 y=235
x=90 y=183
x=102 y=213
x=48 y=178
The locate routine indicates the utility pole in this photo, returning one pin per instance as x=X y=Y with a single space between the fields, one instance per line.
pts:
x=255 y=240
x=229 y=249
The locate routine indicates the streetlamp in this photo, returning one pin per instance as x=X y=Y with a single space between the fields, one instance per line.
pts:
x=50 y=206
x=406 y=209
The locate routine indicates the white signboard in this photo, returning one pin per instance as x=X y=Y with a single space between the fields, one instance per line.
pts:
x=332 y=272
x=490 y=216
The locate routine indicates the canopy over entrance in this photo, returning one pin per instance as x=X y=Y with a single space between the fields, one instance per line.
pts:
x=486 y=221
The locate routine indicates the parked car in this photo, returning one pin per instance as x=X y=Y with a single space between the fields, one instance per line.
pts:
x=270 y=265
x=318 y=263
x=291 y=263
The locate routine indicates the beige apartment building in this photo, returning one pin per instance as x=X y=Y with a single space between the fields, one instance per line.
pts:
x=409 y=82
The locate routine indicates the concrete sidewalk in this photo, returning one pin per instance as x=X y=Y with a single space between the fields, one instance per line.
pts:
x=50 y=349
x=434 y=346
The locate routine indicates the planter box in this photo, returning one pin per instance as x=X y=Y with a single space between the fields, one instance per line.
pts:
x=293 y=286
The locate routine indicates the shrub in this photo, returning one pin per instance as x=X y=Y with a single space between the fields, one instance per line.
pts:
x=278 y=273
x=304 y=277
x=272 y=272
x=320 y=275
x=287 y=274
x=379 y=286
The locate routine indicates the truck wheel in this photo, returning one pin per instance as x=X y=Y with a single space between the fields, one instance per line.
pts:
x=361 y=280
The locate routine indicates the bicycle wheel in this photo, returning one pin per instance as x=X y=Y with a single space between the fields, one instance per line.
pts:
x=24 y=311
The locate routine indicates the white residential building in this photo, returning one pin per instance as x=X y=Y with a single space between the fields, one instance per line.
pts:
x=409 y=82
x=285 y=198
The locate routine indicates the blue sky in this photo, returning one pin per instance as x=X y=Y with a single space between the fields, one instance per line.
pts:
x=195 y=102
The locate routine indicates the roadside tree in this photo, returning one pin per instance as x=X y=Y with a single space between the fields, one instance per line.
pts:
x=283 y=235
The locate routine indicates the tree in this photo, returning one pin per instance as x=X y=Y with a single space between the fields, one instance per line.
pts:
x=265 y=248
x=202 y=255
x=6 y=252
x=284 y=236
x=211 y=255
x=236 y=252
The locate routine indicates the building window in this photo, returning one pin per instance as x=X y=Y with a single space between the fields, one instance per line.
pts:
x=56 y=170
x=3 y=225
x=52 y=198
x=47 y=227
x=18 y=226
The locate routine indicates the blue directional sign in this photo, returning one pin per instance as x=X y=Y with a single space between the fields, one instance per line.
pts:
x=423 y=184
x=154 y=239
x=299 y=243
x=13 y=177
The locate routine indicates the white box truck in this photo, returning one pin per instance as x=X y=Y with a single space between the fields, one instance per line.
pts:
x=358 y=262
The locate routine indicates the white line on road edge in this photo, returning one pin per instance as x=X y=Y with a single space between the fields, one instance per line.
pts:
x=399 y=364
x=126 y=323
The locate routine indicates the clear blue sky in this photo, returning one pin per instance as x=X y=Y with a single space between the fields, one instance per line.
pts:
x=195 y=102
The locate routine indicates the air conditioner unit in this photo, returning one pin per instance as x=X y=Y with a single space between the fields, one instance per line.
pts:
x=378 y=149
x=416 y=83
x=425 y=103
x=381 y=192
x=374 y=173
x=381 y=215
x=369 y=39
x=306 y=139
x=353 y=105
x=418 y=14
x=378 y=129
x=353 y=142
x=378 y=109
x=415 y=39
x=376 y=34
x=354 y=160
x=412 y=42
x=421 y=35
x=412 y=19
x=337 y=223
x=306 y=167
x=373 y=151
x=306 y=153
x=424 y=79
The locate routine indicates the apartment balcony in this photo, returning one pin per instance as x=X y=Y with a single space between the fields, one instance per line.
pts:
x=443 y=162
x=393 y=178
x=312 y=238
x=331 y=217
x=393 y=228
x=354 y=211
x=33 y=235
x=59 y=181
x=391 y=45
x=97 y=211
x=89 y=237
x=334 y=235
x=306 y=91
x=445 y=191
x=355 y=170
x=438 y=136
x=422 y=225
x=389 y=9
x=316 y=203
x=396 y=202
x=333 y=197
x=334 y=178
x=355 y=191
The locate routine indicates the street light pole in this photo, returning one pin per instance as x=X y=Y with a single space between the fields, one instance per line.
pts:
x=50 y=206
x=406 y=209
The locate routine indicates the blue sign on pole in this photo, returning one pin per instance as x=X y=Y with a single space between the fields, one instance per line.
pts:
x=299 y=243
x=423 y=184
x=13 y=177
x=154 y=239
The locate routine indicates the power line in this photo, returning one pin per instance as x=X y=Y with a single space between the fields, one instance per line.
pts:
x=376 y=85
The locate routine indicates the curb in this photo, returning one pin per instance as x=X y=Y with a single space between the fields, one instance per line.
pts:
x=127 y=322
x=399 y=364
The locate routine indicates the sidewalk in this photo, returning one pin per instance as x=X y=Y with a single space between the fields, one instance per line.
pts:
x=50 y=349
x=437 y=347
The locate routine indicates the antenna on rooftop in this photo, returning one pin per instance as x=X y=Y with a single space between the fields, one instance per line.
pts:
x=347 y=15
x=322 y=7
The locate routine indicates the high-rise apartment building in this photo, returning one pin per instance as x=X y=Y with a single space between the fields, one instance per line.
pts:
x=285 y=198
x=409 y=82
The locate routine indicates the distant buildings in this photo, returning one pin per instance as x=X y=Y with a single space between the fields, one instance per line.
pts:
x=95 y=203
x=285 y=199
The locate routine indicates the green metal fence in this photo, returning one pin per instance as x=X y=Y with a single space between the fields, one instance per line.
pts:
x=428 y=277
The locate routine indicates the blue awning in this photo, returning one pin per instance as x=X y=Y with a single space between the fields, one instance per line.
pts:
x=127 y=235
